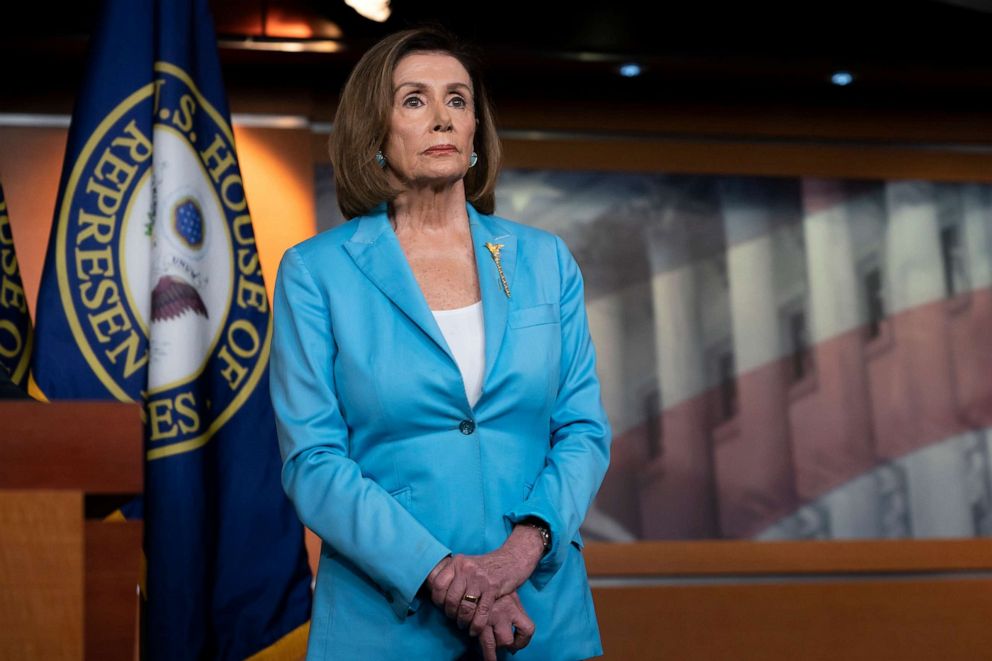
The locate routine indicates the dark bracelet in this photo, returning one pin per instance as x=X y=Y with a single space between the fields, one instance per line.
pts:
x=539 y=525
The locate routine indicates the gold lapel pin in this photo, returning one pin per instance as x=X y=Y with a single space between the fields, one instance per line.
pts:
x=494 y=249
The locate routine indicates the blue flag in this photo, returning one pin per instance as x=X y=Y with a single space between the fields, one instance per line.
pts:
x=15 y=322
x=152 y=292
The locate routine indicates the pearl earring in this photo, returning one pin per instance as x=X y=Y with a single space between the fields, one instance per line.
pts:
x=380 y=159
x=473 y=159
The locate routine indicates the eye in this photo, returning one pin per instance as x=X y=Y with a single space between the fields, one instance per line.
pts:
x=458 y=102
x=412 y=101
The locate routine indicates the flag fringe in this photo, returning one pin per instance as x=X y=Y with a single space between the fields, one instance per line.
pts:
x=291 y=647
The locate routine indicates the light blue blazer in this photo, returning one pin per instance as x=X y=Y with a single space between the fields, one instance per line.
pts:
x=386 y=461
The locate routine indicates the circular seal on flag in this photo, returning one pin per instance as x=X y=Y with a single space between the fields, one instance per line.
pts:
x=157 y=266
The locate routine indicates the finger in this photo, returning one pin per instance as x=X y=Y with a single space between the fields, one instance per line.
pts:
x=442 y=563
x=467 y=608
x=482 y=612
x=439 y=588
x=503 y=631
x=524 y=631
x=487 y=641
x=453 y=597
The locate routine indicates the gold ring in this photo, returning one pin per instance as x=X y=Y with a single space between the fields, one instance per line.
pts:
x=473 y=598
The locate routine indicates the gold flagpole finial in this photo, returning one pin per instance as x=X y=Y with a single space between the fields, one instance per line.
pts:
x=494 y=249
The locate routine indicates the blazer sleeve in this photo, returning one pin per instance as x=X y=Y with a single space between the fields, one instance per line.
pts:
x=350 y=512
x=580 y=431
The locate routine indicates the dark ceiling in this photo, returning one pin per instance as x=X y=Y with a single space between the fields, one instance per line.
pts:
x=919 y=53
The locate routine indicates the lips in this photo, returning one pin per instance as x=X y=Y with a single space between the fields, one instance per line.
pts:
x=441 y=149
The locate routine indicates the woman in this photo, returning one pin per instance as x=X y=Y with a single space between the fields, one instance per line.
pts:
x=434 y=385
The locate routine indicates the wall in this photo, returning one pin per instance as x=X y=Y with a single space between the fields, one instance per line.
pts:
x=276 y=165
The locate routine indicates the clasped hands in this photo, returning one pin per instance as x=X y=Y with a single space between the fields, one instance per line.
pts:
x=497 y=617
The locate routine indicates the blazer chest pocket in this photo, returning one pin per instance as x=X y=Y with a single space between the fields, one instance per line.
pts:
x=536 y=315
x=402 y=495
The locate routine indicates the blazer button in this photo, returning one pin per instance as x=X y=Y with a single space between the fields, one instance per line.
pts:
x=466 y=427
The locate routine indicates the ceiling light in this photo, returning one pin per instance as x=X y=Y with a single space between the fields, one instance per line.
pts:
x=842 y=78
x=374 y=10
x=630 y=70
x=282 y=45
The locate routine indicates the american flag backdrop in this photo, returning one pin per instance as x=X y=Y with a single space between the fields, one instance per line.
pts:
x=781 y=358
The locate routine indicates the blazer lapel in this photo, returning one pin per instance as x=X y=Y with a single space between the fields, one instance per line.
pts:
x=495 y=302
x=377 y=252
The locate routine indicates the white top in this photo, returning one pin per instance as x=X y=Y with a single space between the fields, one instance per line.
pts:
x=465 y=334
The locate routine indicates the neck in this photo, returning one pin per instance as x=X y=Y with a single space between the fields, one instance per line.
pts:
x=427 y=209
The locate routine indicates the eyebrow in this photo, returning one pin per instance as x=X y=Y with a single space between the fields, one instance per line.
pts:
x=450 y=87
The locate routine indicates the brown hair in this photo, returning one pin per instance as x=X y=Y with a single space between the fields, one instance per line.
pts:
x=361 y=123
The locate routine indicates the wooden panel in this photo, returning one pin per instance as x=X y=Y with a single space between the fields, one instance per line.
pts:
x=734 y=156
x=41 y=575
x=91 y=446
x=907 y=126
x=764 y=141
x=113 y=570
x=880 y=599
x=872 y=620
x=31 y=165
x=747 y=558
x=277 y=171
x=708 y=122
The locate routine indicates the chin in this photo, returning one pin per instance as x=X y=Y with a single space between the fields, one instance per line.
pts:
x=442 y=177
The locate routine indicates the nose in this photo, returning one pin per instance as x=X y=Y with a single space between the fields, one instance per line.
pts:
x=442 y=119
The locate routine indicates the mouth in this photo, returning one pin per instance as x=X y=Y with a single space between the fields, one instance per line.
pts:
x=441 y=149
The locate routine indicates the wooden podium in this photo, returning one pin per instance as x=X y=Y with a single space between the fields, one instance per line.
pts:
x=68 y=582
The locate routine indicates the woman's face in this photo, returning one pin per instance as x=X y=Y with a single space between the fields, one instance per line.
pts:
x=433 y=120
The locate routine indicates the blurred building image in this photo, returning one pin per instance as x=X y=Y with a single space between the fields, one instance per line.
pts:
x=783 y=358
